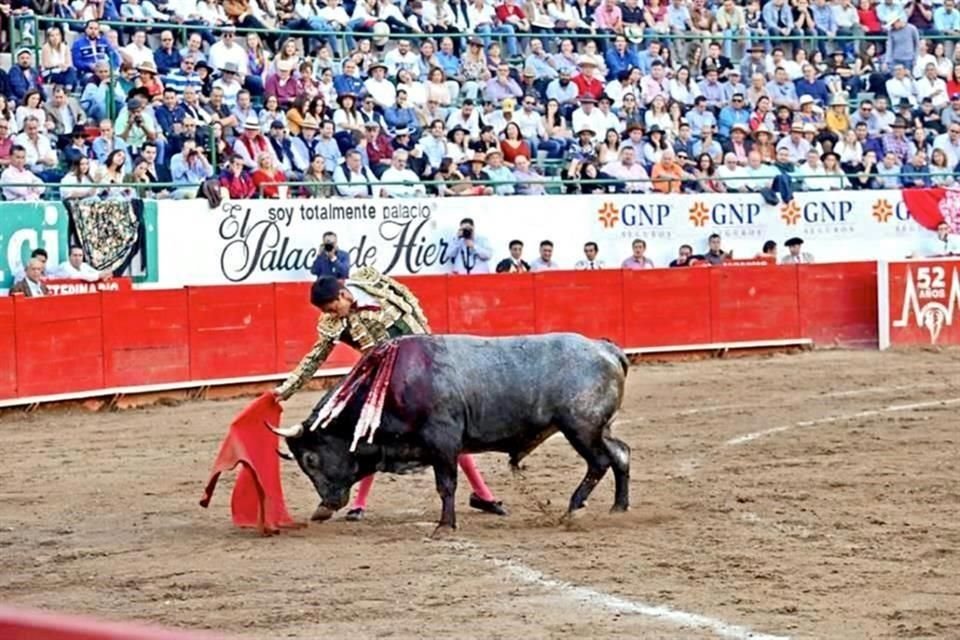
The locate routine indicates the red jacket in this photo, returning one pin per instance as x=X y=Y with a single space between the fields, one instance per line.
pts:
x=382 y=150
x=270 y=180
x=588 y=87
x=503 y=12
x=239 y=186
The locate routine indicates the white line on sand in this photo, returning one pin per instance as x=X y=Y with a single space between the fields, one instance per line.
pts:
x=591 y=597
x=840 y=418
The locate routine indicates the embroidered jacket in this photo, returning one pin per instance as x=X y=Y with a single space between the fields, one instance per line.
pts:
x=393 y=311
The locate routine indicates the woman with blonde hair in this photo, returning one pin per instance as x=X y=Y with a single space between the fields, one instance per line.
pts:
x=268 y=178
x=56 y=61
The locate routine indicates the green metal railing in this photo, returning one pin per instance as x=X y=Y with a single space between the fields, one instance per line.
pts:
x=543 y=180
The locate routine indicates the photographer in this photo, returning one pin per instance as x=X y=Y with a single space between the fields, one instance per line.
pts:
x=469 y=253
x=331 y=261
x=136 y=127
x=188 y=169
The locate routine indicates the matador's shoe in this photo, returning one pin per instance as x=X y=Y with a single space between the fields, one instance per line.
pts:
x=488 y=506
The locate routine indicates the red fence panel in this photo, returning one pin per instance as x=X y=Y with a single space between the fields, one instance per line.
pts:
x=666 y=307
x=838 y=303
x=59 y=343
x=496 y=304
x=232 y=331
x=432 y=291
x=297 y=328
x=750 y=304
x=587 y=302
x=146 y=337
x=8 y=350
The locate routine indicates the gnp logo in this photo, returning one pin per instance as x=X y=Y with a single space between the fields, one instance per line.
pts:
x=942 y=302
x=633 y=215
x=815 y=212
x=723 y=214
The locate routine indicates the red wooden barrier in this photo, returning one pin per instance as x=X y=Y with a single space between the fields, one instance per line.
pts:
x=59 y=342
x=496 y=304
x=751 y=304
x=590 y=303
x=664 y=307
x=146 y=336
x=8 y=350
x=72 y=344
x=838 y=303
x=232 y=331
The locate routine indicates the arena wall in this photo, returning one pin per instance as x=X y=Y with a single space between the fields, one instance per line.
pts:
x=115 y=342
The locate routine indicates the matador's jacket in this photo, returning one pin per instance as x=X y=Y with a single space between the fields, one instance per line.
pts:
x=384 y=309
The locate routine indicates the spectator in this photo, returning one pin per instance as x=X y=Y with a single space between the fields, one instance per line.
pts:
x=470 y=252
x=916 y=173
x=500 y=173
x=106 y=143
x=236 y=180
x=353 y=180
x=730 y=174
x=251 y=144
x=528 y=181
x=167 y=57
x=590 y=261
x=40 y=156
x=399 y=181
x=76 y=269
x=638 y=260
x=903 y=41
x=188 y=169
x=99 y=100
x=32 y=285
x=943 y=244
x=24 y=78
x=137 y=126
x=715 y=255
x=56 y=61
x=80 y=181
x=515 y=263
x=631 y=172
x=544 y=262
x=292 y=160
x=796 y=254
x=32 y=107
x=769 y=251
x=268 y=179
x=19 y=183
x=667 y=174
x=65 y=114
x=684 y=257
x=92 y=48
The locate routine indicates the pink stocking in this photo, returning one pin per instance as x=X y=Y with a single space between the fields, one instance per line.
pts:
x=476 y=480
x=363 y=492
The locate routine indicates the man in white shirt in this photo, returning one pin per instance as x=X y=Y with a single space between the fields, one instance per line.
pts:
x=353 y=180
x=469 y=252
x=760 y=175
x=137 y=52
x=25 y=185
x=227 y=50
x=383 y=92
x=901 y=86
x=400 y=182
x=402 y=58
x=941 y=245
x=730 y=173
x=545 y=261
x=467 y=117
x=949 y=143
x=810 y=173
x=76 y=269
x=40 y=155
x=590 y=260
x=589 y=117
x=932 y=86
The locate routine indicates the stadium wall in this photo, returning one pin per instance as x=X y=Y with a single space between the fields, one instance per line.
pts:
x=137 y=341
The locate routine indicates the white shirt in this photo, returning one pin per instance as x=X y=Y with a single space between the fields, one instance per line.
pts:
x=901 y=88
x=471 y=124
x=336 y=15
x=927 y=87
x=596 y=121
x=383 y=91
x=12 y=175
x=478 y=17
x=360 y=184
x=411 y=189
x=531 y=124
x=586 y=265
x=942 y=142
x=220 y=54
x=85 y=272
x=934 y=246
x=138 y=55
x=540 y=265
x=396 y=61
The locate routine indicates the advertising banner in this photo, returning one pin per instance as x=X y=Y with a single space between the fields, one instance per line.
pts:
x=259 y=241
x=25 y=226
x=919 y=303
x=64 y=287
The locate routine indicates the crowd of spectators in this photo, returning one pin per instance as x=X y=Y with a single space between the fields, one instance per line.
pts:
x=457 y=98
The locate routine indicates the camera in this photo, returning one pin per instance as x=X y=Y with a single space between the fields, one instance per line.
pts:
x=328 y=246
x=466 y=233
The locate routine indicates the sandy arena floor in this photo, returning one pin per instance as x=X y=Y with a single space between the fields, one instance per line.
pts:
x=791 y=496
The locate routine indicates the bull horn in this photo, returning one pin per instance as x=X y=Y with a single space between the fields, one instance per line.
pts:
x=293 y=431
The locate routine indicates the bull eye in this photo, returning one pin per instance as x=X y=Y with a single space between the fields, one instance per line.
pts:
x=311 y=459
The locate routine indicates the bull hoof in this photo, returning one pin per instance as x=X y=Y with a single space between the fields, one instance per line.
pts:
x=322 y=513
x=355 y=515
x=487 y=506
x=571 y=516
x=443 y=531
x=619 y=508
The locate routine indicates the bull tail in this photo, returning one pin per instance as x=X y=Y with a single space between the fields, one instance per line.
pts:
x=617 y=352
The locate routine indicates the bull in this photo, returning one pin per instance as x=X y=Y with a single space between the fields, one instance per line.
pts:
x=446 y=395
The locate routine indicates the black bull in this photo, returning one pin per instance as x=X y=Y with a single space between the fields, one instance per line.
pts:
x=459 y=394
